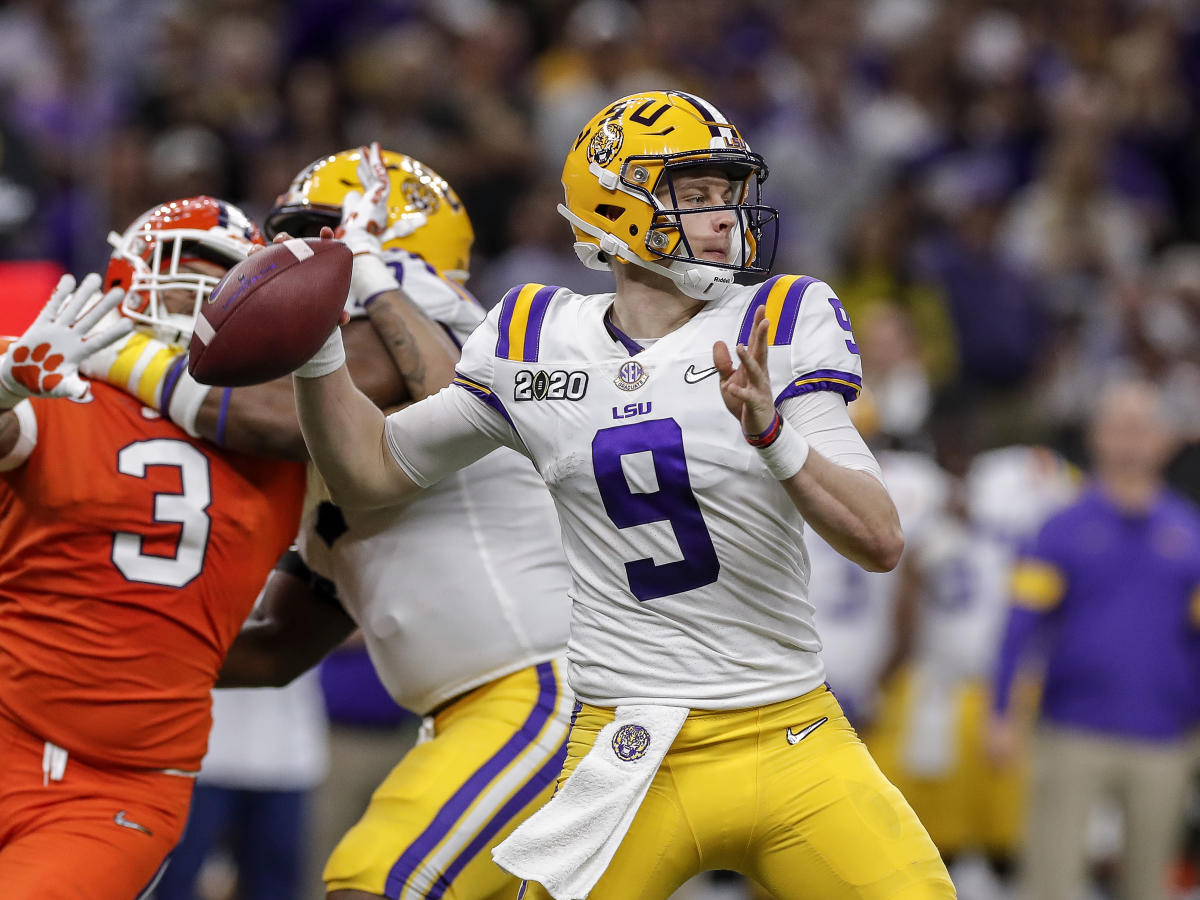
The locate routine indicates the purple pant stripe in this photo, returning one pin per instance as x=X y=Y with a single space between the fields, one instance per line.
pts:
x=522 y=798
x=461 y=800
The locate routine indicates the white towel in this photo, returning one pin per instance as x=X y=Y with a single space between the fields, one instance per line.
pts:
x=930 y=743
x=567 y=844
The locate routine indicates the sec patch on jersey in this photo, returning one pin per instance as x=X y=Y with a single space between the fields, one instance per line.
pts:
x=271 y=312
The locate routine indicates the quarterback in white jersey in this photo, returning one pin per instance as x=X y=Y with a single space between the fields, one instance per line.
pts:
x=683 y=482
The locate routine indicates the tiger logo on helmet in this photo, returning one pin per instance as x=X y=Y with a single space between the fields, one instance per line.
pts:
x=425 y=215
x=164 y=253
x=621 y=167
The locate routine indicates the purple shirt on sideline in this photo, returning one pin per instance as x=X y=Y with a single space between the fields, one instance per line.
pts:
x=1122 y=654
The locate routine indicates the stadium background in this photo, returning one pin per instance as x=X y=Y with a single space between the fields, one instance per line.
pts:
x=1006 y=195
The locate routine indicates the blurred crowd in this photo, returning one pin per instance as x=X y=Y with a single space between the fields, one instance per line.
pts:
x=1004 y=193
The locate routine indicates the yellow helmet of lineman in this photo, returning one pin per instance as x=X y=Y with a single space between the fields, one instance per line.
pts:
x=621 y=200
x=425 y=215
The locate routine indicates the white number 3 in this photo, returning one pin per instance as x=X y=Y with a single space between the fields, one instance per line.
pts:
x=188 y=509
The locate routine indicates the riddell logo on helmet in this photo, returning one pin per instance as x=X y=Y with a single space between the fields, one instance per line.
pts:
x=606 y=143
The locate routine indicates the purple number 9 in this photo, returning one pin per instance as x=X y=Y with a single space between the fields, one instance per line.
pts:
x=673 y=502
x=843 y=319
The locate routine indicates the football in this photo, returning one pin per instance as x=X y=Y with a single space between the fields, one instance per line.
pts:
x=271 y=312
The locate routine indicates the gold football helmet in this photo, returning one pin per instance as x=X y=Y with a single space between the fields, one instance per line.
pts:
x=623 y=162
x=425 y=216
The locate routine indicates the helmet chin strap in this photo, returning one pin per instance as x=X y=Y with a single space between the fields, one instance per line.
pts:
x=695 y=280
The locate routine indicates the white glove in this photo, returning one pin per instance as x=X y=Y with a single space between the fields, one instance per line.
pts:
x=365 y=215
x=44 y=361
x=364 y=220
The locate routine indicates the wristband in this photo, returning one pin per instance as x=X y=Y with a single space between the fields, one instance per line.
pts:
x=370 y=277
x=767 y=437
x=182 y=396
x=786 y=453
x=329 y=358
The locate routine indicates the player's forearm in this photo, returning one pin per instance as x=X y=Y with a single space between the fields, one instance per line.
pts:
x=418 y=346
x=344 y=432
x=850 y=509
x=259 y=420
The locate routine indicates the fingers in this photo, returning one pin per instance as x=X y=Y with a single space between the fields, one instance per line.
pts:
x=758 y=335
x=61 y=291
x=110 y=335
x=74 y=304
x=73 y=388
x=99 y=310
x=756 y=374
x=326 y=233
x=722 y=360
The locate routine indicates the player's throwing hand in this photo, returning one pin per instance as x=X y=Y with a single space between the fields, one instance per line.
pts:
x=44 y=361
x=747 y=389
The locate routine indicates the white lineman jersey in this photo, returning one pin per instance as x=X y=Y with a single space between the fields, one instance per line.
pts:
x=966 y=564
x=690 y=574
x=855 y=609
x=465 y=583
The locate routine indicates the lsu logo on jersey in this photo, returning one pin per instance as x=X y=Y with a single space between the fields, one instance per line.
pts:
x=543 y=385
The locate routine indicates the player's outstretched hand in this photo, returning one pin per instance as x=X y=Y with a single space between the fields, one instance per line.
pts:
x=44 y=361
x=746 y=390
x=365 y=214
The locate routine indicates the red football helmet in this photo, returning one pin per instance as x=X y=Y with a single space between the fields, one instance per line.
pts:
x=157 y=252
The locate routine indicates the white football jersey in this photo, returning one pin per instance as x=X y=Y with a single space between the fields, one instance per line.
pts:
x=465 y=583
x=690 y=574
x=966 y=565
x=855 y=608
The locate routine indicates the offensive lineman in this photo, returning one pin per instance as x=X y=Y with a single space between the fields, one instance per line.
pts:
x=706 y=738
x=460 y=594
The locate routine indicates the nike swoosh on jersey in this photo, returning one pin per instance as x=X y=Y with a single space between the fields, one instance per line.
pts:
x=795 y=737
x=692 y=375
x=120 y=819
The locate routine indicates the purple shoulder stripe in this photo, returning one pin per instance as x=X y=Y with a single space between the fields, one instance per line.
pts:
x=485 y=395
x=847 y=384
x=760 y=299
x=507 y=305
x=537 y=315
x=790 y=310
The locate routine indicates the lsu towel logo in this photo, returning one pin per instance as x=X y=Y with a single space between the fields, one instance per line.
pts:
x=630 y=742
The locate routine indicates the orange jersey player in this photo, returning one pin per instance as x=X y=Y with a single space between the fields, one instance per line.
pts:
x=130 y=554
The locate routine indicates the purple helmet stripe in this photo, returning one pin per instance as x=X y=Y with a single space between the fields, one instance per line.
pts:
x=709 y=115
x=454 y=808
